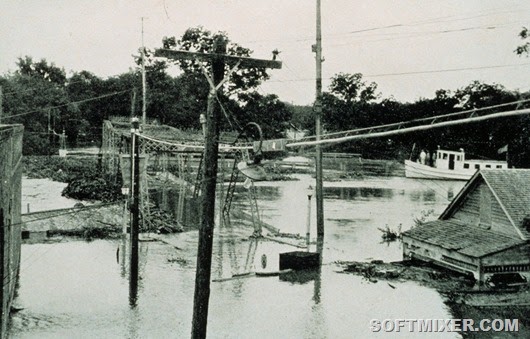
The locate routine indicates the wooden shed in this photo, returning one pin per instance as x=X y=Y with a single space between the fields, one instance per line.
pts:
x=485 y=230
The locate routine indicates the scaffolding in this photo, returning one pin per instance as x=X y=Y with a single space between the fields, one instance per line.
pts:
x=169 y=152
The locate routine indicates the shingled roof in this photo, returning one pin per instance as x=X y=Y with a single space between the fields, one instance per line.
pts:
x=463 y=238
x=511 y=188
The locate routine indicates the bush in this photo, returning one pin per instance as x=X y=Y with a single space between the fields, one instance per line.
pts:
x=92 y=188
x=83 y=176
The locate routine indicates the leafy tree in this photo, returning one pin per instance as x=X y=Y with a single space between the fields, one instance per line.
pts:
x=351 y=88
x=41 y=69
x=199 y=39
x=37 y=99
x=267 y=111
x=80 y=87
x=524 y=49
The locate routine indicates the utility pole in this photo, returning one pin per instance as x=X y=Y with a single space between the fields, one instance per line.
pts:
x=133 y=102
x=135 y=211
x=218 y=60
x=318 y=127
x=1 y=104
x=144 y=104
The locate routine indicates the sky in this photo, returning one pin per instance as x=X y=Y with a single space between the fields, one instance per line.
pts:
x=410 y=48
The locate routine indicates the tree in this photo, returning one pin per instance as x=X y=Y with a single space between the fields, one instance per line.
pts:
x=80 y=87
x=42 y=70
x=38 y=100
x=199 y=39
x=351 y=88
x=524 y=49
x=268 y=111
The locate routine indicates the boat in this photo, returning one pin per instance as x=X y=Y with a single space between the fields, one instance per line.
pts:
x=451 y=165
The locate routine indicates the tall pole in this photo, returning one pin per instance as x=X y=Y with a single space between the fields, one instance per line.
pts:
x=144 y=104
x=318 y=128
x=211 y=150
x=135 y=209
x=1 y=104
x=308 y=222
x=209 y=175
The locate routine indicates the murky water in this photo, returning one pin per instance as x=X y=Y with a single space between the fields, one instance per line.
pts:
x=77 y=289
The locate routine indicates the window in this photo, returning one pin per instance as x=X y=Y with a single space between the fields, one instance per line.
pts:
x=477 y=166
x=499 y=166
x=445 y=155
x=457 y=158
x=488 y=166
x=466 y=165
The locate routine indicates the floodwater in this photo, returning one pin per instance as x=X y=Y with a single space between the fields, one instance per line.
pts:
x=77 y=289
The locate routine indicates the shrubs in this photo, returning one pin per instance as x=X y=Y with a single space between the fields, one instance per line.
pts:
x=92 y=188
x=83 y=176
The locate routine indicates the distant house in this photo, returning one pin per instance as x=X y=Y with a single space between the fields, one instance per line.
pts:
x=484 y=231
x=295 y=134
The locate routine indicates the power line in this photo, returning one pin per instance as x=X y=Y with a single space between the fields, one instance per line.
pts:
x=48 y=82
x=72 y=102
x=444 y=19
x=416 y=72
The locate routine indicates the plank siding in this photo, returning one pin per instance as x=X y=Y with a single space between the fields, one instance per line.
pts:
x=470 y=212
x=501 y=223
x=519 y=255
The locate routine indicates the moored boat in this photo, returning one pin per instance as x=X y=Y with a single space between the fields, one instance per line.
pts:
x=451 y=165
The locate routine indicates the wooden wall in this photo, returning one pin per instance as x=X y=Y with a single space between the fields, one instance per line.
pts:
x=10 y=209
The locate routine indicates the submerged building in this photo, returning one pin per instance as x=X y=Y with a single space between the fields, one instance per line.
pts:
x=484 y=231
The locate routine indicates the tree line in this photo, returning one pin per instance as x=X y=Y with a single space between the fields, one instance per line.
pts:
x=42 y=97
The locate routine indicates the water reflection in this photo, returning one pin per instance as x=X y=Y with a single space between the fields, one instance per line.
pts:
x=313 y=304
x=352 y=193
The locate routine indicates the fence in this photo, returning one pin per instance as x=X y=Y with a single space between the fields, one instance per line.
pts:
x=10 y=206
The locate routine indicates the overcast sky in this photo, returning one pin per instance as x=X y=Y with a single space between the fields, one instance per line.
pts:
x=390 y=42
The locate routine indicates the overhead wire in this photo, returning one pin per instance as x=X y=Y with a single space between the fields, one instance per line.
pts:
x=69 y=103
x=447 y=70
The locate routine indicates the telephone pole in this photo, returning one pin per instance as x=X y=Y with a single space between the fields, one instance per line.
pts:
x=135 y=211
x=218 y=60
x=1 y=104
x=144 y=85
x=318 y=127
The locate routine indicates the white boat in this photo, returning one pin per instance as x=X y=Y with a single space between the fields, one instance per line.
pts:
x=449 y=165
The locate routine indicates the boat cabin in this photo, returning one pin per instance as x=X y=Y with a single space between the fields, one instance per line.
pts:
x=451 y=160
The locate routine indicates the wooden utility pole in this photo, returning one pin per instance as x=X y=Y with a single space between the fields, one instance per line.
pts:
x=209 y=178
x=1 y=104
x=318 y=127
x=135 y=211
x=144 y=85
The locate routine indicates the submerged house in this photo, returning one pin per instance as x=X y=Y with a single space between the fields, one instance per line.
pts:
x=484 y=231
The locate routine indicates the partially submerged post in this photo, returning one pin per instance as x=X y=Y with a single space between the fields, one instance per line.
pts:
x=209 y=179
x=318 y=127
x=308 y=229
x=300 y=260
x=211 y=151
x=135 y=211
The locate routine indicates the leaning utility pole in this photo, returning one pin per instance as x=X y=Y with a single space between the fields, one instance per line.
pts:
x=318 y=127
x=218 y=60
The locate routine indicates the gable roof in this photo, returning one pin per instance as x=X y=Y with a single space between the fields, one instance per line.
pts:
x=511 y=188
x=462 y=238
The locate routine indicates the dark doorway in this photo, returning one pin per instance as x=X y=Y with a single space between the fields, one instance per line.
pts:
x=451 y=161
